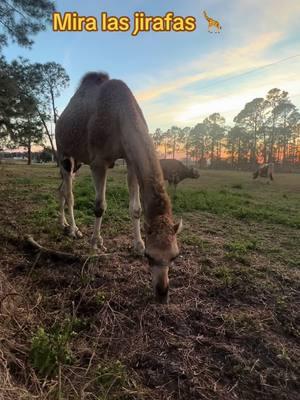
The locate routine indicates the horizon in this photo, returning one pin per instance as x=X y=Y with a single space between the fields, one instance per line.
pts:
x=255 y=52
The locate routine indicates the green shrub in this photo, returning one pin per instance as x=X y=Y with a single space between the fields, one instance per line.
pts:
x=51 y=349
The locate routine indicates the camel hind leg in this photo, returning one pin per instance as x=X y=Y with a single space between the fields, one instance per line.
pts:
x=66 y=197
x=135 y=210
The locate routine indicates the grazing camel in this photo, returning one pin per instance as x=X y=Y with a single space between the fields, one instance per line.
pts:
x=102 y=123
x=264 y=171
x=174 y=172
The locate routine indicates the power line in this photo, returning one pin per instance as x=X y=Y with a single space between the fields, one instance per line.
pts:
x=251 y=71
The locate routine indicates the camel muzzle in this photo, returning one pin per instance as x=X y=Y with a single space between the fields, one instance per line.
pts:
x=160 y=282
x=162 y=295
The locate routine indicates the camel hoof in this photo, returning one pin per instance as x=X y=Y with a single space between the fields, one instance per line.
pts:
x=73 y=233
x=78 y=234
x=97 y=245
x=139 y=248
x=98 y=250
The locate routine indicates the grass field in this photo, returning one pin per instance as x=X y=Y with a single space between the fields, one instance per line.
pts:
x=92 y=330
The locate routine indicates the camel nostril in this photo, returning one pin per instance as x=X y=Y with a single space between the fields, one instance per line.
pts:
x=162 y=299
x=162 y=294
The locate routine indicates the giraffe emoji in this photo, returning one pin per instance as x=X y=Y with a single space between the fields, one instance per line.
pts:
x=212 y=23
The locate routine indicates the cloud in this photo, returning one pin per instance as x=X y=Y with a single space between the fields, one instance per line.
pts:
x=216 y=65
x=267 y=14
x=191 y=107
x=230 y=105
x=256 y=34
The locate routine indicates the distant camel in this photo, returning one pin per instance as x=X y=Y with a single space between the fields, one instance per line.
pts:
x=102 y=123
x=174 y=172
x=265 y=171
x=212 y=23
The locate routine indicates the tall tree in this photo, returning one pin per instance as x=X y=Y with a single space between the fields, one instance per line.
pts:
x=53 y=78
x=237 y=145
x=166 y=142
x=21 y=19
x=25 y=127
x=285 y=111
x=177 y=138
x=29 y=131
x=8 y=99
x=15 y=102
x=186 y=140
x=216 y=129
x=44 y=82
x=294 y=125
x=251 y=118
x=198 y=141
x=157 y=138
x=274 y=98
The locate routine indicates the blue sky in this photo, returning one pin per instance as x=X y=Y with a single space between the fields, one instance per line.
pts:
x=180 y=78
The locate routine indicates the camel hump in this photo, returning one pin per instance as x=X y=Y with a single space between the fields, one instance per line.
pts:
x=94 y=78
x=117 y=90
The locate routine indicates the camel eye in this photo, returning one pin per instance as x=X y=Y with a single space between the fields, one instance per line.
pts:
x=150 y=259
x=153 y=262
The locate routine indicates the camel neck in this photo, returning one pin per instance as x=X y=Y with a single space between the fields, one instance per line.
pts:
x=155 y=200
x=140 y=153
x=147 y=168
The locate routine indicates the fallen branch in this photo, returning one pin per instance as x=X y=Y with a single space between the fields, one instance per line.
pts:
x=58 y=255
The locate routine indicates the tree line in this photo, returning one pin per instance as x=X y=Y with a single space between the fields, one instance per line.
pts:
x=265 y=130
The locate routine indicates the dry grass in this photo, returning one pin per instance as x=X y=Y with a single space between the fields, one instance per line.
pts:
x=232 y=327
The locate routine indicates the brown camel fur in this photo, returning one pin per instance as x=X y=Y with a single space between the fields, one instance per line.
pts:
x=102 y=123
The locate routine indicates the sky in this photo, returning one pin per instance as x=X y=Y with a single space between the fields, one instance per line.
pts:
x=179 y=78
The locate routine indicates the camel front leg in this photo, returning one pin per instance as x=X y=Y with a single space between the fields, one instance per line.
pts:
x=172 y=188
x=99 y=176
x=69 y=198
x=62 y=201
x=135 y=211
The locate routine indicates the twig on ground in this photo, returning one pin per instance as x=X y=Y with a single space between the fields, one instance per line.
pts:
x=60 y=255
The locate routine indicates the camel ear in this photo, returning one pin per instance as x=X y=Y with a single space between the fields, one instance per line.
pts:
x=178 y=227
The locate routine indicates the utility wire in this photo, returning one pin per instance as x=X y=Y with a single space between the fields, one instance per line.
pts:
x=251 y=71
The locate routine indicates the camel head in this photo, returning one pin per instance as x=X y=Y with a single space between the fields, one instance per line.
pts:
x=161 y=249
x=194 y=173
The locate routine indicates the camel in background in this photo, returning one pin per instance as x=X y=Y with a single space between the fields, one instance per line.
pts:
x=174 y=172
x=102 y=123
x=265 y=171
